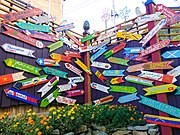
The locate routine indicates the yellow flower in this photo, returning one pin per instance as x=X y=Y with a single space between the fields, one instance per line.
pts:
x=54 y=113
x=73 y=112
x=58 y=110
x=140 y=119
x=37 y=129
x=64 y=115
x=33 y=113
x=29 y=114
x=47 y=127
x=39 y=133
x=134 y=112
x=15 y=125
x=50 y=117
x=72 y=118
x=131 y=118
x=31 y=131
x=52 y=108
x=29 y=110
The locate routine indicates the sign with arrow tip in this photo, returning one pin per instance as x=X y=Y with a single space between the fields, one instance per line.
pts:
x=124 y=89
x=47 y=62
x=65 y=100
x=99 y=87
x=101 y=65
x=55 y=46
x=104 y=100
x=73 y=69
x=117 y=80
x=128 y=98
x=118 y=61
x=171 y=54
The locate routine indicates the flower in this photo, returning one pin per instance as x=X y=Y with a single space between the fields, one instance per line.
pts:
x=39 y=133
x=131 y=118
x=47 y=127
x=54 y=113
x=72 y=118
x=37 y=129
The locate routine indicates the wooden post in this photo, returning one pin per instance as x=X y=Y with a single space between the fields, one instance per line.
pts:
x=156 y=57
x=87 y=77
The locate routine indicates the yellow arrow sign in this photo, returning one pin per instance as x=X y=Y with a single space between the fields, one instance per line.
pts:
x=128 y=35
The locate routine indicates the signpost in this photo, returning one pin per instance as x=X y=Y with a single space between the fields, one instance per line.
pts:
x=124 y=89
x=128 y=98
x=47 y=62
x=99 y=87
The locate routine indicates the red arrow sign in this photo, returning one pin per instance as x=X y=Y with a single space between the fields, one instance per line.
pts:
x=165 y=10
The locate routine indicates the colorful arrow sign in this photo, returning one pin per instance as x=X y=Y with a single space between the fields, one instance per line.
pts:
x=139 y=80
x=174 y=72
x=135 y=57
x=73 y=38
x=128 y=98
x=49 y=85
x=55 y=46
x=69 y=43
x=65 y=100
x=98 y=74
x=21 y=96
x=165 y=10
x=18 y=50
x=47 y=62
x=177 y=91
x=101 y=65
x=104 y=100
x=173 y=19
x=124 y=89
x=101 y=45
x=60 y=57
x=64 y=27
x=72 y=54
x=24 y=84
x=22 y=66
x=113 y=72
x=133 y=50
x=74 y=93
x=9 y=78
x=73 y=69
x=157 y=65
x=50 y=98
x=55 y=72
x=160 y=106
x=135 y=68
x=118 y=61
x=99 y=87
x=76 y=79
x=114 y=50
x=20 y=36
x=83 y=66
x=98 y=53
x=160 y=89
x=128 y=35
x=171 y=54
x=89 y=37
x=158 y=77
x=13 y=16
x=116 y=80
x=65 y=87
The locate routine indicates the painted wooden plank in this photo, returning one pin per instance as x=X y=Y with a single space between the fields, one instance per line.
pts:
x=99 y=87
x=158 y=65
x=177 y=91
x=72 y=54
x=128 y=35
x=9 y=78
x=64 y=27
x=128 y=98
x=73 y=69
x=101 y=45
x=117 y=80
x=124 y=89
x=59 y=57
x=44 y=19
x=65 y=100
x=113 y=72
x=18 y=50
x=99 y=74
x=47 y=62
x=89 y=37
x=165 y=10
x=134 y=50
x=173 y=19
x=135 y=57
x=73 y=38
x=119 y=61
x=74 y=93
x=104 y=100
x=174 y=72
x=98 y=53
x=22 y=66
x=78 y=79
x=55 y=46
x=171 y=54
x=65 y=87
x=101 y=65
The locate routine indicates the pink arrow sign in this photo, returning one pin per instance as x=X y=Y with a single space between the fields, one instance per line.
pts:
x=73 y=69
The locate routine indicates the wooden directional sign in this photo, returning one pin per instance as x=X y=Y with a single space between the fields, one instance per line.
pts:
x=139 y=80
x=158 y=77
x=135 y=57
x=124 y=89
x=114 y=50
x=36 y=27
x=153 y=32
x=157 y=65
x=173 y=20
x=76 y=79
x=118 y=61
x=160 y=106
x=89 y=37
x=165 y=10
x=101 y=65
x=20 y=36
x=154 y=47
x=24 y=84
x=73 y=69
x=117 y=80
x=106 y=35
x=72 y=54
x=101 y=45
x=73 y=38
x=128 y=98
x=65 y=87
x=39 y=35
x=47 y=62
x=55 y=46
x=44 y=19
x=177 y=91
x=60 y=57
x=128 y=35
x=64 y=27
x=113 y=72
x=55 y=72
x=160 y=89
x=74 y=93
x=148 y=18
x=86 y=48
x=21 y=96
x=48 y=86
x=104 y=100
x=13 y=16
x=135 y=68
x=98 y=53
x=22 y=66
x=50 y=98
x=174 y=72
x=69 y=43
x=99 y=87
x=83 y=66
x=162 y=120
x=171 y=54
x=65 y=100
x=18 y=50
x=9 y=78
x=133 y=50
x=98 y=74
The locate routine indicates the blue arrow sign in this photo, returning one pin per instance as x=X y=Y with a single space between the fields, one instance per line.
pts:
x=98 y=53
x=177 y=91
x=113 y=73
x=132 y=50
x=128 y=98
x=171 y=54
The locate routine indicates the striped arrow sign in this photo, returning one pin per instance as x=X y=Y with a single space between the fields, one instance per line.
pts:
x=69 y=43
x=9 y=78
x=20 y=36
x=128 y=98
x=64 y=27
x=171 y=54
x=72 y=54
x=98 y=74
x=49 y=85
x=76 y=79
x=135 y=57
x=160 y=89
x=60 y=57
x=36 y=27
x=24 y=84
x=18 y=50
x=99 y=87
x=117 y=80
x=74 y=93
x=124 y=89
x=55 y=46
x=113 y=72
x=101 y=45
x=118 y=61
x=47 y=62
x=165 y=10
x=101 y=65
x=158 y=77
x=174 y=72
x=83 y=66
x=21 y=96
x=55 y=72
x=139 y=80
x=160 y=106
x=50 y=98
x=157 y=65
x=65 y=87
x=73 y=38
x=133 y=50
x=98 y=53
x=73 y=69
x=104 y=100
x=135 y=68
x=22 y=66
x=65 y=100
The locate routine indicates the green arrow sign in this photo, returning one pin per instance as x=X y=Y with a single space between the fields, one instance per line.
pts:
x=55 y=46
x=22 y=66
x=124 y=89
x=118 y=61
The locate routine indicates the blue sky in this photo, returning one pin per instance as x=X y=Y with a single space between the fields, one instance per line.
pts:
x=78 y=11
